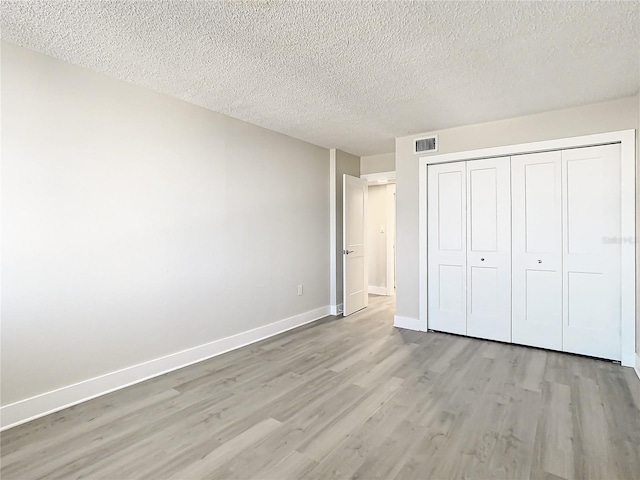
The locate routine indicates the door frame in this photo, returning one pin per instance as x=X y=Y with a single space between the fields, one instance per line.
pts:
x=391 y=239
x=627 y=141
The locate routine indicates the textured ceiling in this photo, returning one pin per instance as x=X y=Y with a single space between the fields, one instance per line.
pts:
x=349 y=75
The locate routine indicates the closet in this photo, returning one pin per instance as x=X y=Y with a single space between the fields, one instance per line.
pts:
x=521 y=249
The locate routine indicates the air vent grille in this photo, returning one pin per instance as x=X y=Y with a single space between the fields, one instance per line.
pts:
x=426 y=144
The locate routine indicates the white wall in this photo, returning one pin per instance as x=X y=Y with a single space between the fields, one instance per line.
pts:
x=615 y=115
x=384 y=162
x=136 y=225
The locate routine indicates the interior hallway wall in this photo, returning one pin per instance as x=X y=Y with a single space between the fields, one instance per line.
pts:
x=384 y=162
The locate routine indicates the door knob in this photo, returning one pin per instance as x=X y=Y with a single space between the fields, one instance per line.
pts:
x=539 y=261
x=482 y=259
x=347 y=252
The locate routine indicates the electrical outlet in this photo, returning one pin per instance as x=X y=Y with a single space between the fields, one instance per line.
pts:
x=299 y=289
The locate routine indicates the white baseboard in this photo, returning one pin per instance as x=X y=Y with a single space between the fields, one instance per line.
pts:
x=408 y=323
x=637 y=367
x=336 y=309
x=31 y=408
x=377 y=290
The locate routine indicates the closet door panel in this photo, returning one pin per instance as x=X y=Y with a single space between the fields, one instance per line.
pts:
x=536 y=185
x=483 y=206
x=489 y=249
x=592 y=248
x=483 y=291
x=446 y=245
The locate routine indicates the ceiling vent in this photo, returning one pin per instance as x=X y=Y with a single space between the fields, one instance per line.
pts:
x=426 y=144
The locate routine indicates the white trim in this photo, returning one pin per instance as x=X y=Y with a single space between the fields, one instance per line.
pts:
x=391 y=240
x=335 y=309
x=637 y=367
x=373 y=290
x=628 y=218
x=408 y=323
x=333 y=220
x=422 y=243
x=380 y=178
x=628 y=250
x=533 y=147
x=40 y=405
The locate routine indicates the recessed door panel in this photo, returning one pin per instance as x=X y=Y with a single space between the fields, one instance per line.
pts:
x=591 y=263
x=585 y=310
x=356 y=282
x=446 y=249
x=541 y=205
x=584 y=197
x=536 y=185
x=489 y=249
x=483 y=283
x=484 y=209
x=543 y=307
x=450 y=211
x=355 y=212
x=451 y=289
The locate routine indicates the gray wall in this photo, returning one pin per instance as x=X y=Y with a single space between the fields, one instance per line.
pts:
x=384 y=162
x=136 y=225
x=348 y=164
x=621 y=114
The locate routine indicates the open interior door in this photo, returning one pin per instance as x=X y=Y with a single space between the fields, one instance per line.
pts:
x=354 y=265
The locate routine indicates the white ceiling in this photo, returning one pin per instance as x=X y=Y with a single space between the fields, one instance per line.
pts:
x=349 y=75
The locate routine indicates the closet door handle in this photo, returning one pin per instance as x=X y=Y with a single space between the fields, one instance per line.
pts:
x=539 y=261
x=482 y=259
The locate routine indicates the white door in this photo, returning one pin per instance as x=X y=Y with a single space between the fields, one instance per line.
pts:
x=536 y=192
x=354 y=233
x=447 y=247
x=591 y=198
x=489 y=249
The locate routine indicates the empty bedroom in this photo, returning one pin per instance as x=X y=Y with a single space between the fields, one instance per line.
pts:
x=307 y=239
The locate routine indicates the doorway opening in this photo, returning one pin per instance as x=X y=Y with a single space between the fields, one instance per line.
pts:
x=381 y=233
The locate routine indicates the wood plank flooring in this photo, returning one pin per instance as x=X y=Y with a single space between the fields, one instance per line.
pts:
x=351 y=398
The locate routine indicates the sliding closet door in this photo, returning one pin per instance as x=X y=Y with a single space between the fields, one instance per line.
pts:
x=447 y=247
x=489 y=249
x=536 y=189
x=591 y=257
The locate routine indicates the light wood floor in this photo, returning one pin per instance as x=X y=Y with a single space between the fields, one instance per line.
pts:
x=351 y=398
